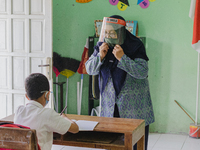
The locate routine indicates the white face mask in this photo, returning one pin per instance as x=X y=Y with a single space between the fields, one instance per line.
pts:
x=46 y=98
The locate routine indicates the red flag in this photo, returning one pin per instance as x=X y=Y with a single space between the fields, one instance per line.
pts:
x=85 y=57
x=195 y=10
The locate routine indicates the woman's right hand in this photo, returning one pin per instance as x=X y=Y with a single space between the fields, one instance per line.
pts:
x=103 y=50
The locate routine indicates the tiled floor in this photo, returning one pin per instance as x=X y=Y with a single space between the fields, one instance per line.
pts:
x=157 y=142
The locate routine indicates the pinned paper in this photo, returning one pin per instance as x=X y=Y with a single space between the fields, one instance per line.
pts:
x=152 y=0
x=113 y=2
x=144 y=4
x=121 y=6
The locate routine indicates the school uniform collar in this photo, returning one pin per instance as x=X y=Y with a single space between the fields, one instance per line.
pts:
x=32 y=102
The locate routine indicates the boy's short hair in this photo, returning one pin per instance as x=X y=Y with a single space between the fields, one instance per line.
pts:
x=35 y=83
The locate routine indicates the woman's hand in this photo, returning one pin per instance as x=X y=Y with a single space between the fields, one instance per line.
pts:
x=118 y=52
x=103 y=50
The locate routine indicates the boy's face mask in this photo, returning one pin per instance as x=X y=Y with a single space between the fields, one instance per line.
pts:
x=46 y=98
x=46 y=102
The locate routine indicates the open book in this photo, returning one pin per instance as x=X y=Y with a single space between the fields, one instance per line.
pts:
x=85 y=125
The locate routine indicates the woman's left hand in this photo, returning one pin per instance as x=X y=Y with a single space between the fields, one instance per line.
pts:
x=118 y=52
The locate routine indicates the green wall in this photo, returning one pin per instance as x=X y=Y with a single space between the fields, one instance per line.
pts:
x=172 y=66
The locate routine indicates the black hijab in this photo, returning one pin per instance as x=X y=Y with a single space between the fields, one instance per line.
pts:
x=132 y=47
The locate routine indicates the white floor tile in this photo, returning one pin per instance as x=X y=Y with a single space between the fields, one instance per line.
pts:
x=168 y=145
x=169 y=142
x=75 y=148
x=164 y=149
x=192 y=140
x=57 y=147
x=153 y=138
x=191 y=146
x=149 y=148
x=173 y=138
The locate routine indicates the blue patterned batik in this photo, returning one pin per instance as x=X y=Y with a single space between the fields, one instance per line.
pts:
x=134 y=100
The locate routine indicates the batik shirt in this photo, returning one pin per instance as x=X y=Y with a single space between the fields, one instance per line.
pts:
x=134 y=100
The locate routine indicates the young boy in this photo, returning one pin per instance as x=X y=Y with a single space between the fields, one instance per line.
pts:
x=44 y=120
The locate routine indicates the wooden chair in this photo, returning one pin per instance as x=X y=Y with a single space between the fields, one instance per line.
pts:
x=18 y=138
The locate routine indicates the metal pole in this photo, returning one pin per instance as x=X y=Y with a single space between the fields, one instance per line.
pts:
x=197 y=97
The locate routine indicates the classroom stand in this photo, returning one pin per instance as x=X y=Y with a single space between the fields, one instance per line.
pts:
x=60 y=84
x=93 y=79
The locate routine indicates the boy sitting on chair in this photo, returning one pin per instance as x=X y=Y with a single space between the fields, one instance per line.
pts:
x=44 y=120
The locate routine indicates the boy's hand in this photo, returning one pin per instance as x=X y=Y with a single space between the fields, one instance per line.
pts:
x=118 y=52
x=103 y=50
x=74 y=127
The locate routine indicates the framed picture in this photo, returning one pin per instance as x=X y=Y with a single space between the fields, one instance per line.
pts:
x=132 y=26
x=98 y=24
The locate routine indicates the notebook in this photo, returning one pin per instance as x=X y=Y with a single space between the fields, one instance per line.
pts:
x=85 y=125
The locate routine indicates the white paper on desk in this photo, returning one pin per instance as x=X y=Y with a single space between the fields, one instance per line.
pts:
x=85 y=125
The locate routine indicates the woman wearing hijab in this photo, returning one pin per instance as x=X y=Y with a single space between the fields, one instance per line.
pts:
x=121 y=62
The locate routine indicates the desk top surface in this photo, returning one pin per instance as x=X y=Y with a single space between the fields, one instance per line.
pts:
x=106 y=124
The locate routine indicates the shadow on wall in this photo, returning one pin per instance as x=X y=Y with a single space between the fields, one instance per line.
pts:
x=159 y=54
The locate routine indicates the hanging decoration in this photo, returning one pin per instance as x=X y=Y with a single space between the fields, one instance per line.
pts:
x=83 y=1
x=144 y=4
x=113 y=2
x=139 y=1
x=123 y=4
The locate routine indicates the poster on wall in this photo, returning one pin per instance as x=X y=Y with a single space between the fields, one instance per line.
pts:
x=132 y=26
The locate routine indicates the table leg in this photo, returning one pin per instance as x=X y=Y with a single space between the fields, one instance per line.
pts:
x=137 y=136
x=128 y=142
x=140 y=143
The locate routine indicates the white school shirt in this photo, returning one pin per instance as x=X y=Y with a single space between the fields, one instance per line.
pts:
x=44 y=120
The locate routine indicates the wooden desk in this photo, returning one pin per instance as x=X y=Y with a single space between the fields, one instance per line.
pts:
x=110 y=133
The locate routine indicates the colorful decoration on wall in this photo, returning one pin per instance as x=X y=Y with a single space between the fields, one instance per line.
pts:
x=113 y=2
x=144 y=4
x=139 y=1
x=83 y=1
x=123 y=4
